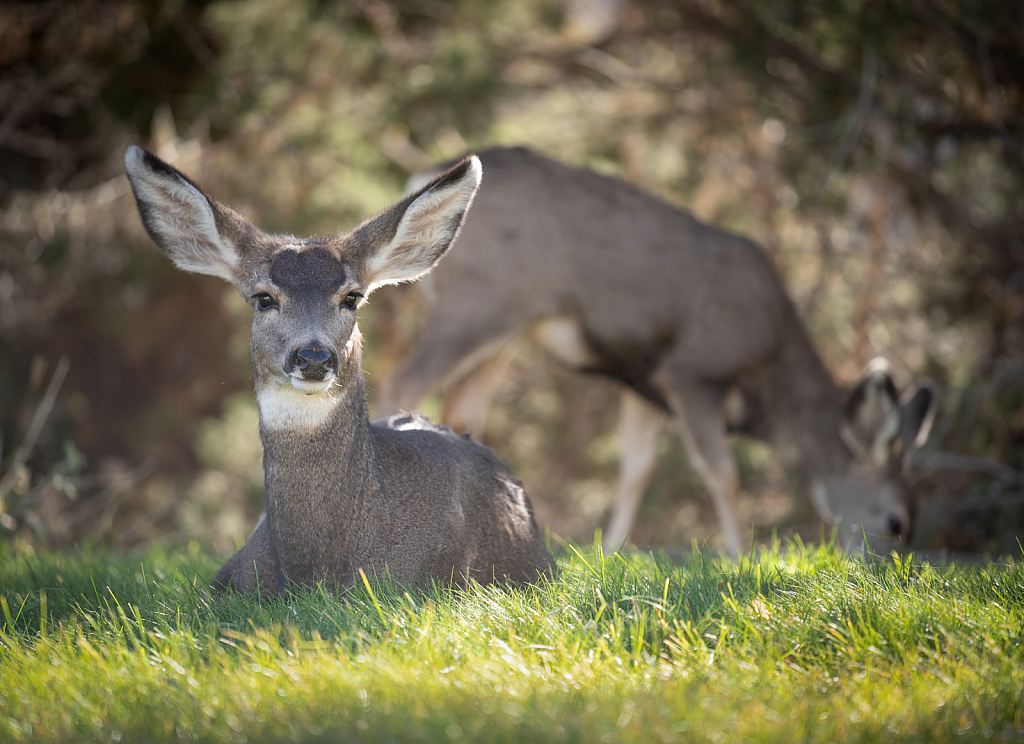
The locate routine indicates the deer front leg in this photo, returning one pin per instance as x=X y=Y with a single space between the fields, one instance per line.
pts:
x=254 y=568
x=698 y=408
x=467 y=402
x=640 y=425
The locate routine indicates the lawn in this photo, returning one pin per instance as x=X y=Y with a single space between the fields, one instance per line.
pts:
x=791 y=644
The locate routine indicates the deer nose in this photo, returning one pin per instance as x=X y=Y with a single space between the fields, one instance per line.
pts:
x=313 y=363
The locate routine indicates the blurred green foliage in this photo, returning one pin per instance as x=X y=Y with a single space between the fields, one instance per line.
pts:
x=874 y=149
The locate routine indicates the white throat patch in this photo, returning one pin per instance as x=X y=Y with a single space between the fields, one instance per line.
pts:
x=284 y=407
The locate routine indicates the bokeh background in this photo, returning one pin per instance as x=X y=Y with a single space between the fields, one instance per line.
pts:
x=875 y=149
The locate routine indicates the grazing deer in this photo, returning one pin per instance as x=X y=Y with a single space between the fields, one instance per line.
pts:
x=691 y=319
x=398 y=498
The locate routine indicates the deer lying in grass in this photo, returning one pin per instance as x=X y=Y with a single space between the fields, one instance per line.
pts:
x=692 y=320
x=398 y=498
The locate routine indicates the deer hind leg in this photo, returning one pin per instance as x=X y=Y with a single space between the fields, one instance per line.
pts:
x=468 y=400
x=640 y=424
x=446 y=352
x=699 y=410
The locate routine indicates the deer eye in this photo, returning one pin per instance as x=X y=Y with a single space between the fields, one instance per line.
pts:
x=351 y=300
x=264 y=301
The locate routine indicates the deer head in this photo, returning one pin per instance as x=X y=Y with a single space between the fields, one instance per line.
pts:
x=882 y=430
x=304 y=292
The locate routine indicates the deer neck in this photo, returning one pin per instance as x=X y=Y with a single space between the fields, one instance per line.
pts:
x=317 y=459
x=804 y=410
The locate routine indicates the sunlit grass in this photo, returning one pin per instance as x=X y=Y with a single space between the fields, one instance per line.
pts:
x=798 y=644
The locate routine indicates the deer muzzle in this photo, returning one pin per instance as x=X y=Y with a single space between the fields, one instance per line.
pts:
x=312 y=369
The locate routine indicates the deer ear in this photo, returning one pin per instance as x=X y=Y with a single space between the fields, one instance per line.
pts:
x=917 y=406
x=872 y=414
x=192 y=229
x=411 y=237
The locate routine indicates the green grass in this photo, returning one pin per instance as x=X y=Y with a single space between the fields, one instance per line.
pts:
x=797 y=644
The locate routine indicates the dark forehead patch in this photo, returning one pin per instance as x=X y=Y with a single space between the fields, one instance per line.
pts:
x=313 y=269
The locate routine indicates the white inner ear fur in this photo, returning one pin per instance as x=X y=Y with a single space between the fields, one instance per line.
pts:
x=284 y=407
x=887 y=432
x=886 y=424
x=183 y=218
x=425 y=229
x=877 y=420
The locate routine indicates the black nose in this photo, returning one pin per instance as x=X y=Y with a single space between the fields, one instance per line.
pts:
x=314 y=363
x=895 y=526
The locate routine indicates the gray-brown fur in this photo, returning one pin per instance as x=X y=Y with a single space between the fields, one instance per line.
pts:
x=692 y=319
x=431 y=507
x=397 y=498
